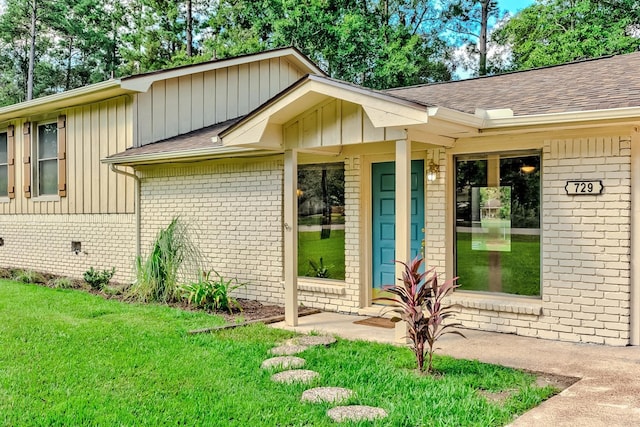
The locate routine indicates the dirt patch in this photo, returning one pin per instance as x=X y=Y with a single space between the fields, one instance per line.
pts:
x=559 y=382
x=543 y=379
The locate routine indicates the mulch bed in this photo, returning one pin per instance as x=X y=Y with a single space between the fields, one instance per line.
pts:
x=250 y=310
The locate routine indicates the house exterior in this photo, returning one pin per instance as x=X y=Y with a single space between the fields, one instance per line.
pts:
x=523 y=185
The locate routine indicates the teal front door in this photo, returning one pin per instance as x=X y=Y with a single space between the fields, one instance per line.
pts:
x=383 y=191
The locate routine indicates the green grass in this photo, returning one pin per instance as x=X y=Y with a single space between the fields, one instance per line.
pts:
x=70 y=358
x=520 y=268
x=311 y=247
x=317 y=219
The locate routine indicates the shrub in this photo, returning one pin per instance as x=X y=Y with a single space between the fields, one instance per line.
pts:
x=213 y=294
x=98 y=279
x=28 y=276
x=157 y=276
x=418 y=301
x=61 y=283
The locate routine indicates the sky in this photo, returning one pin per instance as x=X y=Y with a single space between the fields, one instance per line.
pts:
x=514 y=5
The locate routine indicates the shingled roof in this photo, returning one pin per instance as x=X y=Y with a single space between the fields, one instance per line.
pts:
x=597 y=84
x=199 y=139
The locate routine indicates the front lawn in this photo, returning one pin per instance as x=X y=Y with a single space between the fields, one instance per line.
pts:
x=71 y=358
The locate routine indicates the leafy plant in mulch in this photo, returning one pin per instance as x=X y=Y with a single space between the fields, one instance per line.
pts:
x=212 y=293
x=418 y=301
x=28 y=276
x=61 y=283
x=157 y=275
x=98 y=279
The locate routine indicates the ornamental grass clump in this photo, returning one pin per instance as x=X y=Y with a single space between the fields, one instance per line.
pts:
x=212 y=293
x=157 y=276
x=418 y=300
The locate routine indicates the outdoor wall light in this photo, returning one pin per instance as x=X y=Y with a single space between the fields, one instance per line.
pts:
x=432 y=171
x=527 y=169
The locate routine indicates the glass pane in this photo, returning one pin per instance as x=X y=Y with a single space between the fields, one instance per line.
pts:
x=48 y=141
x=3 y=148
x=48 y=177
x=4 y=181
x=321 y=221
x=498 y=224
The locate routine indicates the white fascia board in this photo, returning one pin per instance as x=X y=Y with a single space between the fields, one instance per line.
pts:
x=82 y=95
x=559 y=118
x=143 y=82
x=209 y=153
x=456 y=117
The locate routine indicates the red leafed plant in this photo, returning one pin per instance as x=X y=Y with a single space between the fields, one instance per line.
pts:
x=418 y=300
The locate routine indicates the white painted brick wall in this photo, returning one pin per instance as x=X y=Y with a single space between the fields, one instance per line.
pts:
x=43 y=243
x=235 y=210
x=435 y=214
x=585 y=249
x=234 y=213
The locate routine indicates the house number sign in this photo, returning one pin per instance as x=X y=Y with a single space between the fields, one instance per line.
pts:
x=579 y=188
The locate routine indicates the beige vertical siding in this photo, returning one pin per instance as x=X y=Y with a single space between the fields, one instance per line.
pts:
x=93 y=132
x=335 y=122
x=180 y=105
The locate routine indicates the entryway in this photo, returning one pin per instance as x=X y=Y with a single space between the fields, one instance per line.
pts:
x=383 y=190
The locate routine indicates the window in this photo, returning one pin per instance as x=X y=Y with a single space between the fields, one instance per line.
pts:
x=4 y=165
x=497 y=233
x=321 y=221
x=46 y=166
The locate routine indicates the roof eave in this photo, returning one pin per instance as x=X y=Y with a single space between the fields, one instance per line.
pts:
x=562 y=118
x=208 y=153
x=95 y=92
x=142 y=83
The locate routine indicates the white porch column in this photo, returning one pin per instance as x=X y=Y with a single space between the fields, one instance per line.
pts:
x=634 y=305
x=403 y=216
x=291 y=237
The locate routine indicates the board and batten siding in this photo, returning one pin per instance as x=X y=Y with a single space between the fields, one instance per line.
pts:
x=94 y=131
x=334 y=122
x=182 y=104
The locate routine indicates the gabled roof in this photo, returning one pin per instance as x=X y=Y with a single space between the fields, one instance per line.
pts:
x=597 y=84
x=141 y=83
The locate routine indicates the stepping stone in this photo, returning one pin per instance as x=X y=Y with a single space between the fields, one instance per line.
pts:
x=355 y=413
x=295 y=376
x=326 y=394
x=283 y=362
x=288 y=349
x=310 y=340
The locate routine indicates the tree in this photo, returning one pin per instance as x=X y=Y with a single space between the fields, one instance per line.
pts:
x=469 y=20
x=378 y=44
x=557 y=31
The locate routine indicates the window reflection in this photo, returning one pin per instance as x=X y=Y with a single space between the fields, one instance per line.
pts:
x=321 y=221
x=498 y=223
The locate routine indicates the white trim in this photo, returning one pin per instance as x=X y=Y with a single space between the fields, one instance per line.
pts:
x=634 y=306
x=497 y=302
x=567 y=117
x=82 y=95
x=208 y=152
x=333 y=287
x=143 y=82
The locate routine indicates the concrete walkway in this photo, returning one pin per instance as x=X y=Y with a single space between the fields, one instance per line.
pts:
x=608 y=393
